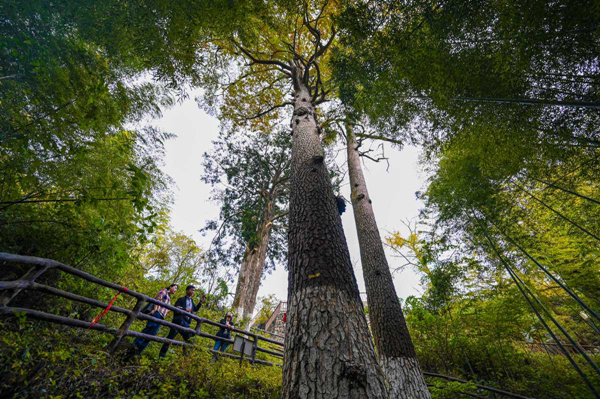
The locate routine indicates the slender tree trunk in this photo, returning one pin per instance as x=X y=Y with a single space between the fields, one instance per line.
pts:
x=255 y=277
x=241 y=289
x=328 y=349
x=395 y=348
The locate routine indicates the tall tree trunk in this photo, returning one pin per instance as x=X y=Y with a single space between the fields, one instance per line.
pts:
x=255 y=277
x=396 y=351
x=241 y=289
x=328 y=349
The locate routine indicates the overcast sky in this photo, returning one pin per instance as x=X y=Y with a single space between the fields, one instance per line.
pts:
x=393 y=193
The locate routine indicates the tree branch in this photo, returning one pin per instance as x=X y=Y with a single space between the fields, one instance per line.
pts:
x=381 y=158
x=63 y=200
x=263 y=62
x=382 y=138
x=278 y=216
x=218 y=234
x=262 y=113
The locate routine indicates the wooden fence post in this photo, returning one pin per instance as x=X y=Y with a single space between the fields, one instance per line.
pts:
x=126 y=324
x=255 y=338
x=27 y=279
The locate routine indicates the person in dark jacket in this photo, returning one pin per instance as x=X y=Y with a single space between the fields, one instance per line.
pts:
x=185 y=303
x=224 y=332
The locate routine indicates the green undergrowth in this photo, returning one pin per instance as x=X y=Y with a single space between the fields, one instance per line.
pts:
x=40 y=360
x=48 y=361
x=450 y=389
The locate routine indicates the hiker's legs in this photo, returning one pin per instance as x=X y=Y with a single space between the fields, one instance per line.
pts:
x=221 y=345
x=218 y=344
x=165 y=348
x=150 y=329
x=186 y=337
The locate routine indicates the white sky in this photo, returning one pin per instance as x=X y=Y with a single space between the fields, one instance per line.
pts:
x=393 y=193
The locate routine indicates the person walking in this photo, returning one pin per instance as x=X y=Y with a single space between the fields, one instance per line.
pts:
x=158 y=312
x=185 y=303
x=224 y=332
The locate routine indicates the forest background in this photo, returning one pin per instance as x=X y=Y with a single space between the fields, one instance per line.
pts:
x=82 y=183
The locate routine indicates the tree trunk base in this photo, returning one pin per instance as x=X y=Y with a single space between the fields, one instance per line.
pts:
x=335 y=358
x=405 y=378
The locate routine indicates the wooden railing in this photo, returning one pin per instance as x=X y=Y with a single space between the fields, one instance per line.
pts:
x=281 y=308
x=10 y=289
x=271 y=334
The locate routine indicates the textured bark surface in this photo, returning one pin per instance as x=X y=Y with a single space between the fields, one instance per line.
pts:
x=409 y=382
x=394 y=346
x=329 y=353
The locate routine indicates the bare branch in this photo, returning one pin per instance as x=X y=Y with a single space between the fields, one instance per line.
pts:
x=324 y=48
x=382 y=138
x=312 y=29
x=320 y=49
x=247 y=75
x=341 y=129
x=378 y=159
x=274 y=218
x=262 y=113
x=292 y=50
x=322 y=98
x=260 y=61
x=318 y=82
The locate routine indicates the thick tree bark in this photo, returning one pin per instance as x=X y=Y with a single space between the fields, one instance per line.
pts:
x=394 y=346
x=328 y=349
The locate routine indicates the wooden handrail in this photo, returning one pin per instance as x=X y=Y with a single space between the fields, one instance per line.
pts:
x=27 y=282
x=86 y=276
x=276 y=312
x=266 y=332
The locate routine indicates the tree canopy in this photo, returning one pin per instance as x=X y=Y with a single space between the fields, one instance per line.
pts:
x=501 y=97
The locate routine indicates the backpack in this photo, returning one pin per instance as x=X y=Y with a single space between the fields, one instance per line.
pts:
x=148 y=308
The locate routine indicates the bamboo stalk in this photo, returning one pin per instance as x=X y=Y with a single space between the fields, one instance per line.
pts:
x=491 y=389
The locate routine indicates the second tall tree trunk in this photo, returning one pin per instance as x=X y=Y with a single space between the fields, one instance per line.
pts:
x=255 y=277
x=328 y=349
x=252 y=267
x=241 y=289
x=396 y=351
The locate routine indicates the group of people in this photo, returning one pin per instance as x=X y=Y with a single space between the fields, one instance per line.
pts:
x=184 y=303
